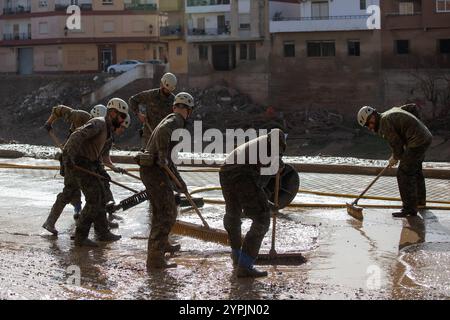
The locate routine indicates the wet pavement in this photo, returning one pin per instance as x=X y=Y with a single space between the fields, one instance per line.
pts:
x=379 y=258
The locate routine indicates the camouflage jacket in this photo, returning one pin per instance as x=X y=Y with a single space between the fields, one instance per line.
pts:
x=247 y=158
x=157 y=105
x=76 y=118
x=403 y=130
x=91 y=141
x=160 y=145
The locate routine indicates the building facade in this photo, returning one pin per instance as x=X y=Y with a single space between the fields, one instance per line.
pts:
x=35 y=36
x=416 y=34
x=325 y=54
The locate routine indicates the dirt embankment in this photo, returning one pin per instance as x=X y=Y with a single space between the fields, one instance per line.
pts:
x=26 y=104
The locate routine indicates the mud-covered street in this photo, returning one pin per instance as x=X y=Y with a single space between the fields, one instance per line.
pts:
x=379 y=258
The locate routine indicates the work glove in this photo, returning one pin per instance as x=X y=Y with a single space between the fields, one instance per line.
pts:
x=48 y=126
x=119 y=170
x=392 y=161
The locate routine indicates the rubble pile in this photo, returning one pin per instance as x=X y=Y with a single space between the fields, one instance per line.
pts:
x=223 y=108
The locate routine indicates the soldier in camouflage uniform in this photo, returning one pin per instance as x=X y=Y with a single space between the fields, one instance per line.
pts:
x=242 y=192
x=158 y=183
x=155 y=105
x=409 y=140
x=70 y=193
x=85 y=148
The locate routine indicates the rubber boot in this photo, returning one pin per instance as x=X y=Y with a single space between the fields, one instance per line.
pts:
x=109 y=237
x=404 y=214
x=235 y=254
x=172 y=248
x=156 y=260
x=54 y=215
x=81 y=238
x=246 y=269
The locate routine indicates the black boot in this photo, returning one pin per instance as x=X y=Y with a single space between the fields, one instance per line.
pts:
x=246 y=269
x=404 y=214
x=172 y=248
x=251 y=272
x=156 y=260
x=109 y=237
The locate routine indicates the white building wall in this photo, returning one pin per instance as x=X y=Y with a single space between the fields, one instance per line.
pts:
x=304 y=9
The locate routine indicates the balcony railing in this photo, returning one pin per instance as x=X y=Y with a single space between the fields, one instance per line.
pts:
x=196 y=3
x=208 y=31
x=324 y=23
x=63 y=7
x=139 y=6
x=365 y=16
x=17 y=10
x=17 y=36
x=171 y=31
x=398 y=14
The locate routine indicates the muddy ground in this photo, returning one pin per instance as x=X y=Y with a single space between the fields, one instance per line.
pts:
x=379 y=258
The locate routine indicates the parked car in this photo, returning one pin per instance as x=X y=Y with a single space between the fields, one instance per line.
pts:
x=155 y=61
x=123 y=66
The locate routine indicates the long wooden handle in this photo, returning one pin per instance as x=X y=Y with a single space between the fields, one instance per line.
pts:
x=188 y=196
x=55 y=139
x=371 y=184
x=104 y=178
x=274 y=213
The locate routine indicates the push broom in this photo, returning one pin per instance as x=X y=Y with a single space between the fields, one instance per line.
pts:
x=205 y=232
x=356 y=211
x=273 y=257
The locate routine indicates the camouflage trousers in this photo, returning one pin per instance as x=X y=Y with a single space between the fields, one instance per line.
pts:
x=164 y=209
x=243 y=195
x=94 y=211
x=70 y=194
x=411 y=182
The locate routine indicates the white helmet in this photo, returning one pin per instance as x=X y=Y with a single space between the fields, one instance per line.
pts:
x=98 y=111
x=169 y=81
x=184 y=98
x=118 y=104
x=364 y=114
x=127 y=122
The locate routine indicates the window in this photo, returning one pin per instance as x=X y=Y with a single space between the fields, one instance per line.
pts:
x=243 y=52
x=362 y=5
x=444 y=46
x=179 y=51
x=289 y=49
x=321 y=49
x=107 y=2
x=405 y=8
x=244 y=21
x=203 y=52
x=43 y=27
x=42 y=3
x=319 y=9
x=252 y=51
x=442 y=5
x=402 y=46
x=354 y=48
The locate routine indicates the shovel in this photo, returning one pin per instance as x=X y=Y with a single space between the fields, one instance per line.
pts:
x=352 y=208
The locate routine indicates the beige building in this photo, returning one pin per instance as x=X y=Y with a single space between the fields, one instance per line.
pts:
x=40 y=36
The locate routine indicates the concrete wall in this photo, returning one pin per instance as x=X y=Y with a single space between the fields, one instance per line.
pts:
x=178 y=63
x=8 y=60
x=80 y=57
x=341 y=83
x=48 y=58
